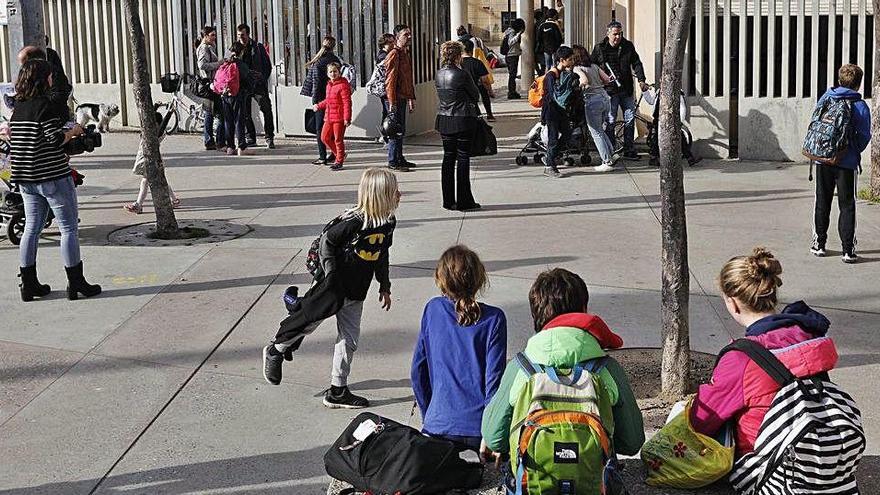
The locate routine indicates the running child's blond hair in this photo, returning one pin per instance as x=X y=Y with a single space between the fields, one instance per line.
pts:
x=378 y=197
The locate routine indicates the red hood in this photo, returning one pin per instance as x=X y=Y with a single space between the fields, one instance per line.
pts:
x=588 y=323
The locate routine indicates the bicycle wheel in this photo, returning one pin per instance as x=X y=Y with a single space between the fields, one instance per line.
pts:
x=618 y=133
x=169 y=119
x=15 y=228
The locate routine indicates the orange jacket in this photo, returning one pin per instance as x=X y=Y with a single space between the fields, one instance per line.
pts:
x=399 y=83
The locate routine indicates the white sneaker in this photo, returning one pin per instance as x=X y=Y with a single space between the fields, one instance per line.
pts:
x=605 y=167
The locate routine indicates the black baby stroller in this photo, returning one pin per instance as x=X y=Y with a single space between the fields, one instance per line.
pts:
x=576 y=152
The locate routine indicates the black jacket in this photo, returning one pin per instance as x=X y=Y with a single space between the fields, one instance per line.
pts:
x=257 y=59
x=319 y=88
x=549 y=36
x=624 y=61
x=457 y=93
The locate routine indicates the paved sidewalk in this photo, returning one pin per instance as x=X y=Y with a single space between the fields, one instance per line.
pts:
x=156 y=387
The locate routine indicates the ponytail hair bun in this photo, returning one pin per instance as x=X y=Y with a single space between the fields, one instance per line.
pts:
x=753 y=280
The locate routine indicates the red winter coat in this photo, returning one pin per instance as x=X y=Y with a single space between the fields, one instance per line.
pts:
x=337 y=105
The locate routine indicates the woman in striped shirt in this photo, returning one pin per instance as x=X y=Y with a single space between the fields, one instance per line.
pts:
x=41 y=171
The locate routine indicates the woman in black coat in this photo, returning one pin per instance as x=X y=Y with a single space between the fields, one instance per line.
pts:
x=456 y=118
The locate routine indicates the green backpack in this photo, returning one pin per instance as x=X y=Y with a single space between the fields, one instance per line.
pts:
x=559 y=443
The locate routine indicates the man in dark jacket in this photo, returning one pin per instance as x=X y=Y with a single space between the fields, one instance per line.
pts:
x=550 y=38
x=617 y=56
x=256 y=57
x=843 y=175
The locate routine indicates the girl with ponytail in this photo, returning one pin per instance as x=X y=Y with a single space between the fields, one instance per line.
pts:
x=740 y=391
x=461 y=351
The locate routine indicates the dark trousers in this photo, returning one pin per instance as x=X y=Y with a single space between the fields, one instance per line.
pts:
x=233 y=122
x=265 y=104
x=455 y=174
x=395 y=145
x=323 y=300
x=558 y=134
x=487 y=100
x=319 y=125
x=827 y=178
x=512 y=69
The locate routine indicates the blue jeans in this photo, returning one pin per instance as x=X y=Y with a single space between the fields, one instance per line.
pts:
x=233 y=121
x=628 y=103
x=208 y=133
x=596 y=108
x=395 y=145
x=39 y=197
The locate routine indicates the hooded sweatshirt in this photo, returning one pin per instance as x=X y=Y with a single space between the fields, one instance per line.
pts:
x=565 y=341
x=859 y=125
x=740 y=391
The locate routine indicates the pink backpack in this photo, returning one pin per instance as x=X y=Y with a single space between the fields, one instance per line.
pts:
x=225 y=78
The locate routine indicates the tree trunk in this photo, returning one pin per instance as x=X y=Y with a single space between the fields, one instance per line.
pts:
x=166 y=223
x=675 y=373
x=875 y=112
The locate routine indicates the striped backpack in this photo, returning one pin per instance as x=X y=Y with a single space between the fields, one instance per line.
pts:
x=811 y=439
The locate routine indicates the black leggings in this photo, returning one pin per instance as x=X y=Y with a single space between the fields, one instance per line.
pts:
x=487 y=101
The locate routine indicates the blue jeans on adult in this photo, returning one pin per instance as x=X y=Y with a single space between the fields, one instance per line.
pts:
x=233 y=121
x=596 y=108
x=628 y=103
x=395 y=145
x=39 y=197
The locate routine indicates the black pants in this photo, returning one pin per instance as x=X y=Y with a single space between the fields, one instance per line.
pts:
x=322 y=301
x=512 y=69
x=827 y=178
x=456 y=170
x=558 y=134
x=487 y=101
x=319 y=124
x=265 y=104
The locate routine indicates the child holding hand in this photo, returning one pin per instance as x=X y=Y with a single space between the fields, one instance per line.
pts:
x=337 y=116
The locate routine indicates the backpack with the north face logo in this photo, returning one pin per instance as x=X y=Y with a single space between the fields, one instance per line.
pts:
x=829 y=131
x=558 y=442
x=810 y=441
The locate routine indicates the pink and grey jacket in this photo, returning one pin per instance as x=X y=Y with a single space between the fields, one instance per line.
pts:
x=742 y=392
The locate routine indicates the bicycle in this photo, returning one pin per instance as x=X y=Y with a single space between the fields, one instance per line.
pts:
x=172 y=111
x=651 y=138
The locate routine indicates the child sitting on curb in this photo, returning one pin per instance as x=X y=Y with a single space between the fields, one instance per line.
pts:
x=566 y=336
x=461 y=351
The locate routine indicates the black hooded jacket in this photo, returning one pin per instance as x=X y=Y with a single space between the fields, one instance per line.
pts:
x=624 y=61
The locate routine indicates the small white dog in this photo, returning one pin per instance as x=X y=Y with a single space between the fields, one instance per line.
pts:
x=101 y=113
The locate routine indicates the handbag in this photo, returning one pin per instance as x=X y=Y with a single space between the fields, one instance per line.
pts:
x=309 y=122
x=678 y=456
x=201 y=87
x=382 y=456
x=484 y=142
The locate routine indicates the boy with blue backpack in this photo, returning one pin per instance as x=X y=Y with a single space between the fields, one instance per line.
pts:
x=839 y=131
x=564 y=409
x=560 y=84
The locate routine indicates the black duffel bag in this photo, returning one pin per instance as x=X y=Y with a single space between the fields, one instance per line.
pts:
x=483 y=142
x=201 y=87
x=396 y=458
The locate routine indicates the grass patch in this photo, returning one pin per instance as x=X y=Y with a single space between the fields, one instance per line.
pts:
x=866 y=195
x=185 y=233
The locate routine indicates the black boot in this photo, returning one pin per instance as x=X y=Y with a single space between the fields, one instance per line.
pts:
x=30 y=286
x=76 y=283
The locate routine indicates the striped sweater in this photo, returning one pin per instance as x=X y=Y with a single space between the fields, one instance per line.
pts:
x=36 y=142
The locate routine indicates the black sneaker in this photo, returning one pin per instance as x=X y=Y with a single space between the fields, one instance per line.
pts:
x=210 y=146
x=409 y=164
x=631 y=155
x=336 y=166
x=250 y=143
x=817 y=250
x=398 y=167
x=514 y=96
x=342 y=398
x=272 y=361
x=849 y=256
x=270 y=143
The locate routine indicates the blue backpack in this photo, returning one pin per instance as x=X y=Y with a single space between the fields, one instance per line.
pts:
x=829 y=131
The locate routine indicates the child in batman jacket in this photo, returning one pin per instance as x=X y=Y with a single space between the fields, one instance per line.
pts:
x=353 y=251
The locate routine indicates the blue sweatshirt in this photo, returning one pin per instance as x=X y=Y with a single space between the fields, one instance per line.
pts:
x=860 y=125
x=456 y=370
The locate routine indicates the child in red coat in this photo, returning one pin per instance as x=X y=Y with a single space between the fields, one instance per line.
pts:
x=337 y=107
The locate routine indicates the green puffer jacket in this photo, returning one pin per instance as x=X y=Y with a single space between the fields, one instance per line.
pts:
x=563 y=347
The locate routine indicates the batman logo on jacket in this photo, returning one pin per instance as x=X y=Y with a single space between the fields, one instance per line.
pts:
x=376 y=240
